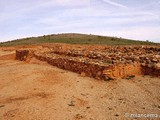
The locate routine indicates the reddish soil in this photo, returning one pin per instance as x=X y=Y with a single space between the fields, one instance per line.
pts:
x=35 y=90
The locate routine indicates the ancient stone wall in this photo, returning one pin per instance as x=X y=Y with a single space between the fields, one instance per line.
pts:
x=107 y=63
x=24 y=55
x=93 y=70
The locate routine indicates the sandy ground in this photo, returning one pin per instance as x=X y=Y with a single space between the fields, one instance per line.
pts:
x=38 y=91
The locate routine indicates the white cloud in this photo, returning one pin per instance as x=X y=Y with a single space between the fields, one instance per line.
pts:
x=115 y=4
x=67 y=2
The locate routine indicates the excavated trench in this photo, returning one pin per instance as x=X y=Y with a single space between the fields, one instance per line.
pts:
x=88 y=65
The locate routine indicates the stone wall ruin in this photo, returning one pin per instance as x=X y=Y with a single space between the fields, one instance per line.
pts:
x=106 y=63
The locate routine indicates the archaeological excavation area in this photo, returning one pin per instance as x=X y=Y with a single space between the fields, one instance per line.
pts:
x=79 y=82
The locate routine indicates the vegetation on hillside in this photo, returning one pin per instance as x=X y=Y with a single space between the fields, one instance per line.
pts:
x=71 y=38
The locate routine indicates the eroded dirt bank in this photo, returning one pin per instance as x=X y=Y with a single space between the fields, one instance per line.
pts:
x=37 y=91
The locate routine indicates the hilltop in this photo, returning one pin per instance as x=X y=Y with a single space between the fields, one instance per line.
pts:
x=74 y=38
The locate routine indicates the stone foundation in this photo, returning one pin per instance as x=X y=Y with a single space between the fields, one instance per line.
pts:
x=91 y=64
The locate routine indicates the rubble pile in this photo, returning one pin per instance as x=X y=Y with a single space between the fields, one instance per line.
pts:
x=147 y=56
x=102 y=62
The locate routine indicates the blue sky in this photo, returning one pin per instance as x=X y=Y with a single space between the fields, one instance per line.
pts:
x=135 y=19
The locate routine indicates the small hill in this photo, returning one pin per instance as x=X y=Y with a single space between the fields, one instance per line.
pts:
x=73 y=38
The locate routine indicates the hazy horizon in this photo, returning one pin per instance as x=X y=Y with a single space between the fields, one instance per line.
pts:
x=139 y=20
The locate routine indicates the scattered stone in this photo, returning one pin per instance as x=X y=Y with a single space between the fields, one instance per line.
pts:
x=110 y=98
x=130 y=77
x=157 y=66
x=83 y=74
x=92 y=87
x=78 y=117
x=116 y=115
x=150 y=65
x=71 y=103
x=143 y=64
x=83 y=94
x=108 y=78
x=154 y=60
x=88 y=107
x=2 y=106
x=110 y=108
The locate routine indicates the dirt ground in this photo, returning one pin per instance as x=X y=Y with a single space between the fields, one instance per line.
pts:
x=38 y=91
